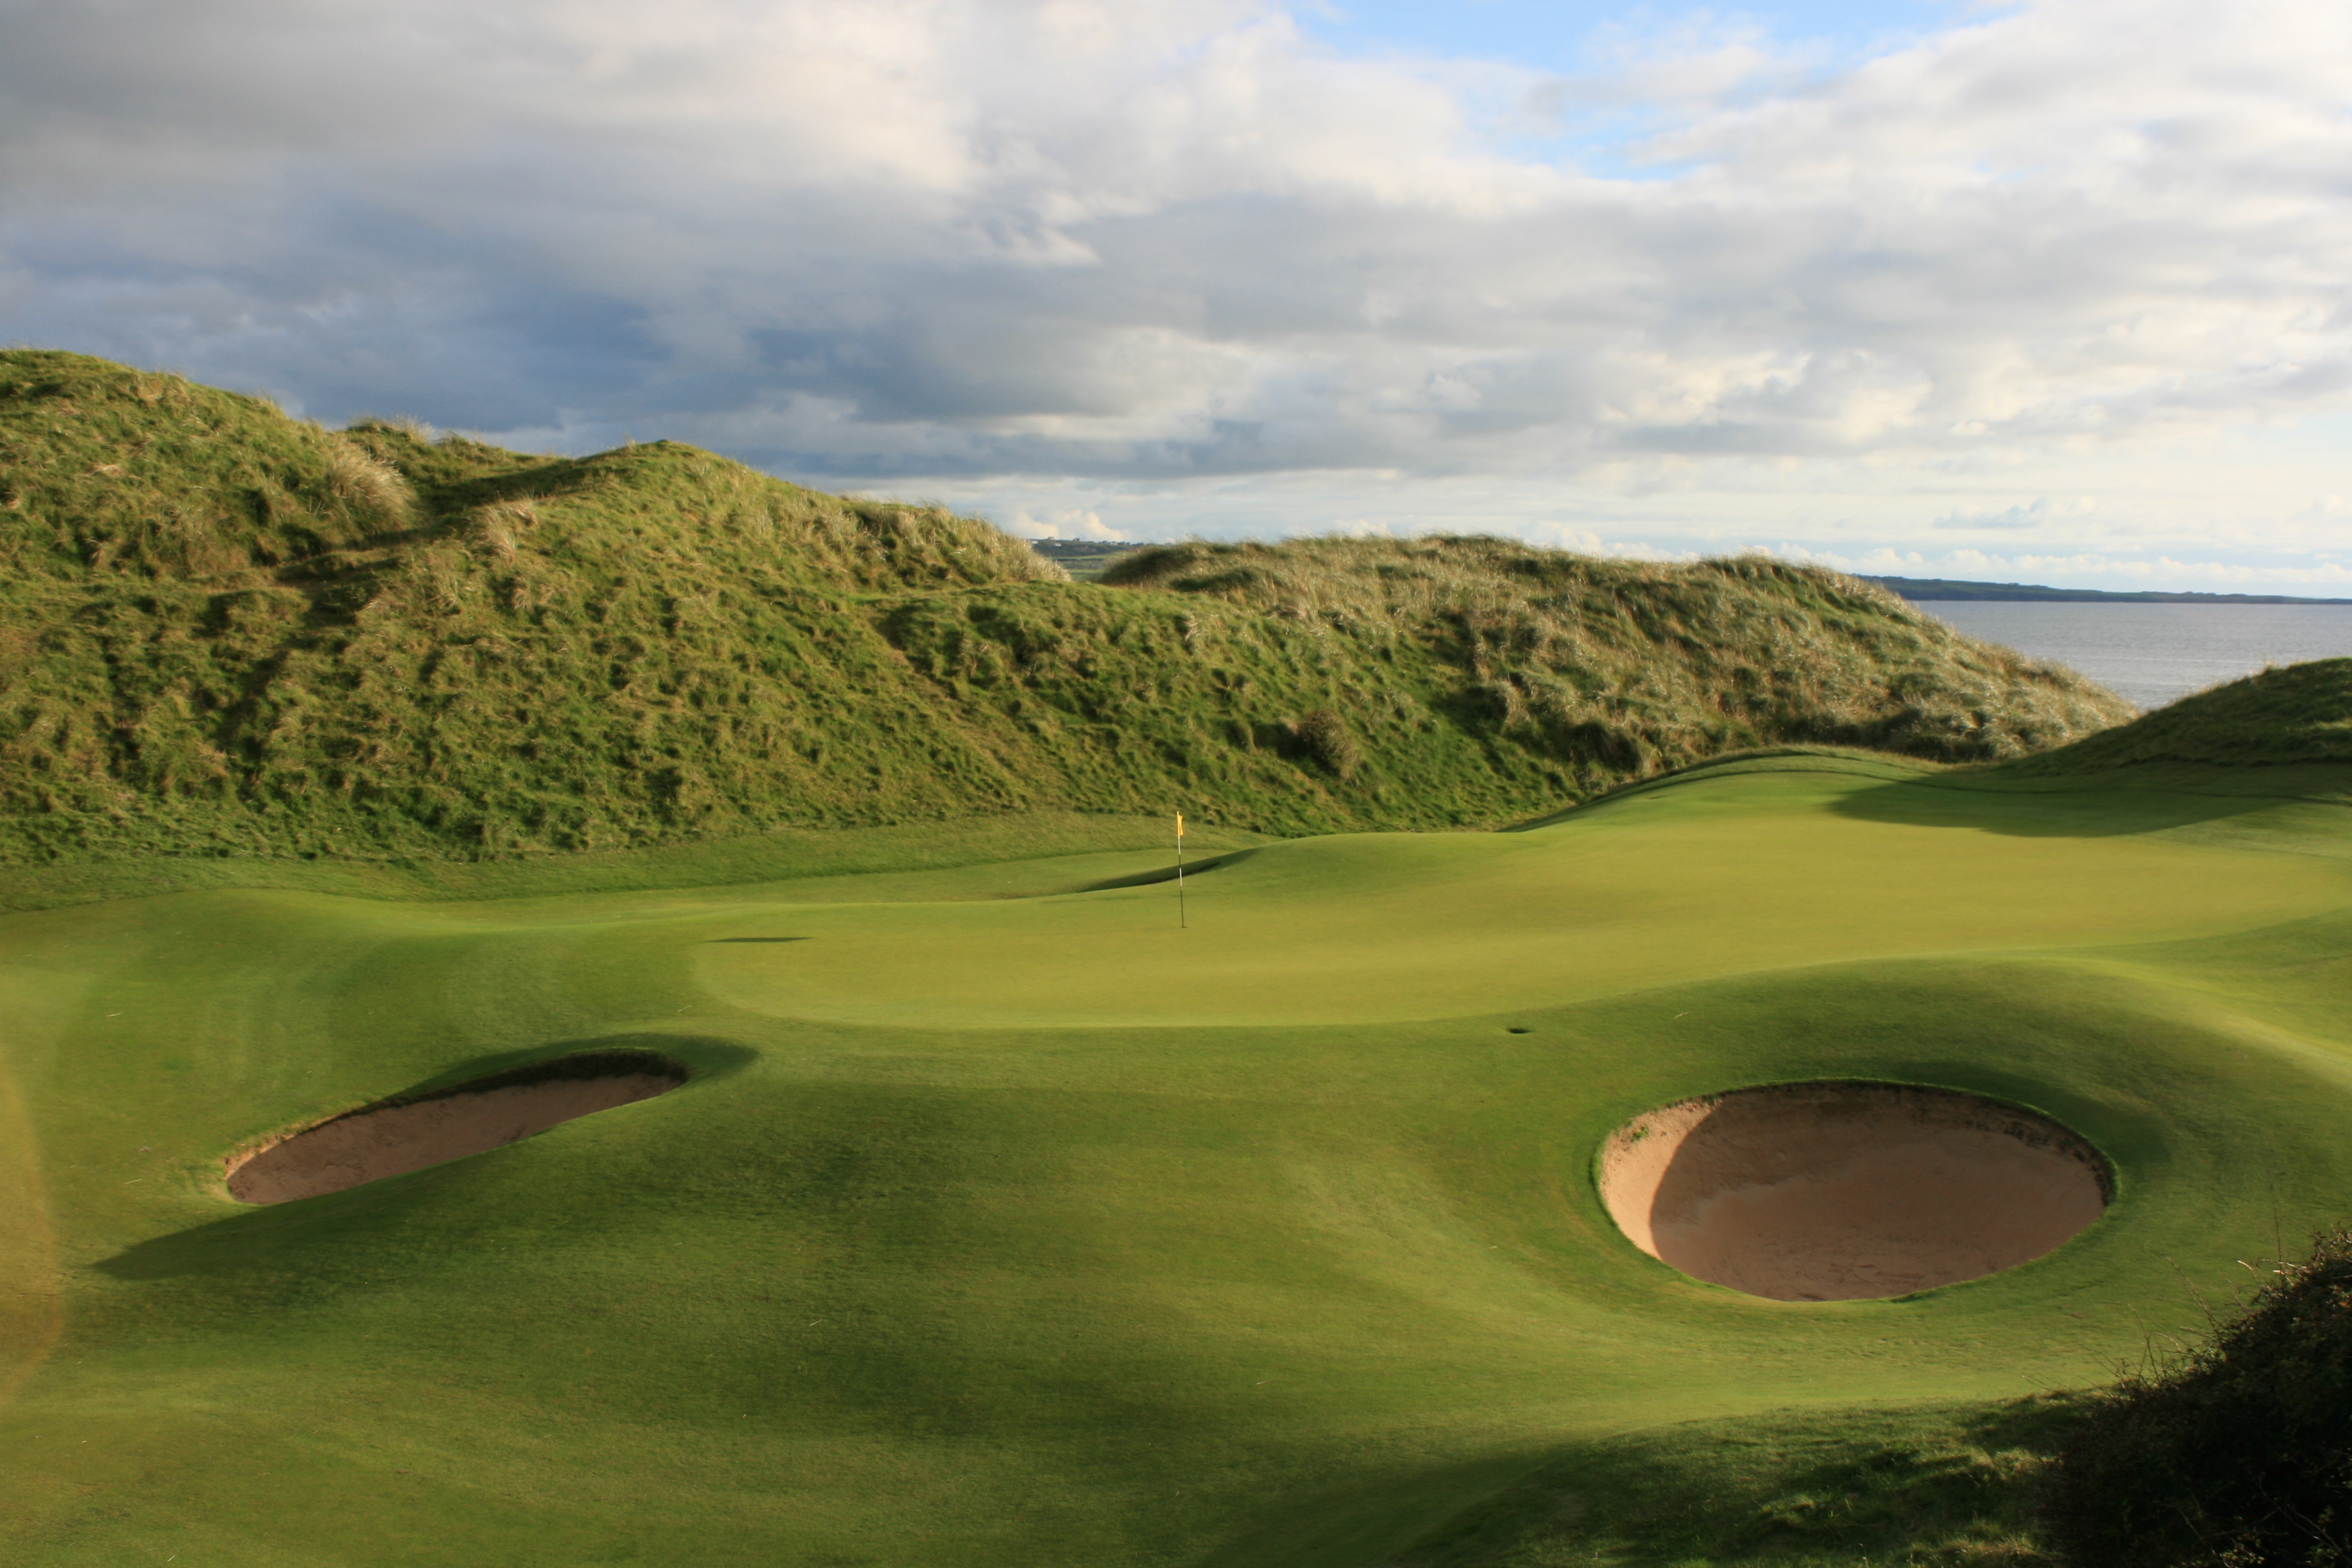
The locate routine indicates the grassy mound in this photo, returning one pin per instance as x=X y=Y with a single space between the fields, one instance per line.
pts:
x=2284 y=716
x=2238 y=1455
x=225 y=632
x=1622 y=667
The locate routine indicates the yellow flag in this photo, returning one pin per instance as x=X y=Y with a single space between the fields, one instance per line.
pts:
x=1180 y=825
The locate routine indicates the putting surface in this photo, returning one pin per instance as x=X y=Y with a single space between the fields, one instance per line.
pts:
x=1003 y=1223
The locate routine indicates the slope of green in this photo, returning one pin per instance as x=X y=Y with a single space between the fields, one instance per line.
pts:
x=226 y=633
x=1376 y=928
x=1034 y=1229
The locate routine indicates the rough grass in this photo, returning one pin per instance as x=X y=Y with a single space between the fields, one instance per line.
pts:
x=1950 y=1487
x=2234 y=1453
x=224 y=632
x=1622 y=667
x=2287 y=715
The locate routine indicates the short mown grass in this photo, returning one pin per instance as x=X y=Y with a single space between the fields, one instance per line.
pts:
x=1004 y=1221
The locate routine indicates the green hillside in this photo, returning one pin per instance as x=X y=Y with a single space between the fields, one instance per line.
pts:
x=224 y=632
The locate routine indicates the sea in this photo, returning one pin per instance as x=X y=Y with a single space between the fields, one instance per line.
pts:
x=2152 y=654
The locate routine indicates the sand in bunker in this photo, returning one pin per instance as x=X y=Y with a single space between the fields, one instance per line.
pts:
x=369 y=1144
x=1835 y=1192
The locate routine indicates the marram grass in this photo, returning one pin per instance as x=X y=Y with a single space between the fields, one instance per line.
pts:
x=226 y=632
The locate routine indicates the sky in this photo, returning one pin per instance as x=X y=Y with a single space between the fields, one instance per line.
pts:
x=2054 y=291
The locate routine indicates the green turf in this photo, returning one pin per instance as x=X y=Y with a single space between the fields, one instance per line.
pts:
x=1008 y=1224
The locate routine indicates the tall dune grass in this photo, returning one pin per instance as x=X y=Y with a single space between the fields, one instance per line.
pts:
x=227 y=632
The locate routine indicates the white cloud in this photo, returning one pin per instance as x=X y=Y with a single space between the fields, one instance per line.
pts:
x=2035 y=516
x=1072 y=524
x=982 y=247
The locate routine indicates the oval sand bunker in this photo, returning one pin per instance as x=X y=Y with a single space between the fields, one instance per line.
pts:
x=389 y=1138
x=1836 y=1192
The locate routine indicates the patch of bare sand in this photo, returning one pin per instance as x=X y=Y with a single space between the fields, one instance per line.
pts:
x=1835 y=1192
x=374 y=1143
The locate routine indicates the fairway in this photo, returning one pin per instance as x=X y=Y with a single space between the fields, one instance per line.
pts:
x=1004 y=1223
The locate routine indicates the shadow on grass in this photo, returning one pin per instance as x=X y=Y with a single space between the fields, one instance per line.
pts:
x=1856 y=1486
x=705 y=1058
x=2030 y=798
x=252 y=1238
x=2116 y=807
x=1371 y=1517
x=1167 y=873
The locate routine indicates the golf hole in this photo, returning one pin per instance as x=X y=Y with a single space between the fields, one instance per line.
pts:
x=1840 y=1192
x=406 y=1134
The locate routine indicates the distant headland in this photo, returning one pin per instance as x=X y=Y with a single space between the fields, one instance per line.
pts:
x=1085 y=559
x=1924 y=589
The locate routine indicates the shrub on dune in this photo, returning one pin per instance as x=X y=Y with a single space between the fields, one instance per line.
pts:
x=2238 y=1454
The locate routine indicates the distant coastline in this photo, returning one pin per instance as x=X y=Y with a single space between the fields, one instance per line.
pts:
x=1086 y=558
x=1922 y=590
x=1058 y=548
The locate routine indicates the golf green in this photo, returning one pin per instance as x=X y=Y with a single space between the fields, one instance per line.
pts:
x=1004 y=1221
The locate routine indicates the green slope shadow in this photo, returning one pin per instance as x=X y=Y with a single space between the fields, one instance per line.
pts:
x=707 y=1056
x=283 y=1236
x=1987 y=807
x=1828 y=760
x=1160 y=874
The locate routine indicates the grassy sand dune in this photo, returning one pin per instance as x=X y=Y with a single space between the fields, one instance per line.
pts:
x=1004 y=1223
x=2295 y=716
x=227 y=633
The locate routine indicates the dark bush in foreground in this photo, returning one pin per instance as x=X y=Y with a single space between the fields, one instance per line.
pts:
x=2237 y=1454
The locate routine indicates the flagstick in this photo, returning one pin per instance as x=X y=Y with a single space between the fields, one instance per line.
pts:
x=1180 y=873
